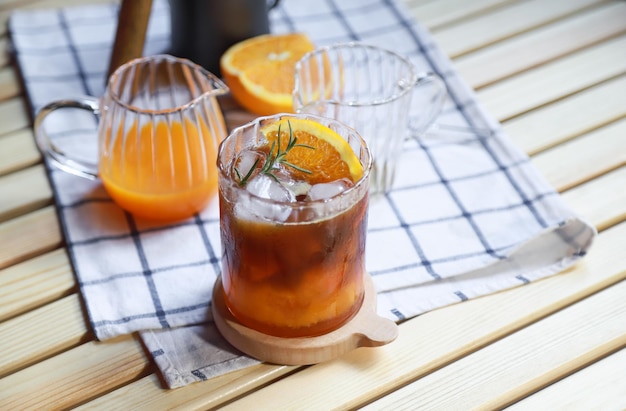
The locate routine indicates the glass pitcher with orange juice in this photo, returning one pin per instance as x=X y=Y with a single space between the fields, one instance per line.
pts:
x=159 y=129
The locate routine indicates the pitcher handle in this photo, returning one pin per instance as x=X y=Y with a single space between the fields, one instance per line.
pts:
x=60 y=159
x=419 y=127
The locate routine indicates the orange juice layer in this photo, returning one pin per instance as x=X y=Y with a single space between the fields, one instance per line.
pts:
x=161 y=173
x=298 y=312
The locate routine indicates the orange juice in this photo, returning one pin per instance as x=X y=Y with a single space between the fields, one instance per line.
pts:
x=160 y=171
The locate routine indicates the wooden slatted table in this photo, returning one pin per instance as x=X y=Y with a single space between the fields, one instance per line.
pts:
x=554 y=73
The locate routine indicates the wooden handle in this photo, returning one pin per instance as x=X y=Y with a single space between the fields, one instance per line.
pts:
x=132 y=24
x=375 y=330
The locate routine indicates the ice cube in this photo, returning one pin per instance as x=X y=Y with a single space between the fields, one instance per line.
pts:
x=254 y=209
x=324 y=191
x=245 y=161
x=265 y=186
x=297 y=187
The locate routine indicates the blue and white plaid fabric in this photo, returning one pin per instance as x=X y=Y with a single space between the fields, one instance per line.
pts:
x=468 y=214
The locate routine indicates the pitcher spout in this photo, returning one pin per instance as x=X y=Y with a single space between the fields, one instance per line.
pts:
x=213 y=85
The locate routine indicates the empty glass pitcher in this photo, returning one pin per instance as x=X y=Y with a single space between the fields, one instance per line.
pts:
x=376 y=91
x=159 y=129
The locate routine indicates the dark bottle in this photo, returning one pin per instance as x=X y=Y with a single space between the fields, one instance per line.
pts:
x=202 y=30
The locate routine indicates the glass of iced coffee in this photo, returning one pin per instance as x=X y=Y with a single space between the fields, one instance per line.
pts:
x=293 y=191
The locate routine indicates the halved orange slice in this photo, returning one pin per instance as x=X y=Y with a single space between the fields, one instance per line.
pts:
x=260 y=71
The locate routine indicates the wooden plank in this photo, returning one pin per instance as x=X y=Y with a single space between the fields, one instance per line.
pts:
x=9 y=84
x=556 y=346
x=24 y=191
x=599 y=386
x=75 y=376
x=13 y=115
x=58 y=326
x=602 y=200
x=555 y=80
x=34 y=283
x=584 y=158
x=94 y=368
x=563 y=120
x=148 y=394
x=18 y=150
x=28 y=236
x=432 y=340
x=528 y=50
x=435 y=14
x=503 y=23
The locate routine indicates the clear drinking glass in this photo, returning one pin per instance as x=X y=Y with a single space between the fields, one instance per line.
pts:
x=159 y=129
x=291 y=267
x=370 y=89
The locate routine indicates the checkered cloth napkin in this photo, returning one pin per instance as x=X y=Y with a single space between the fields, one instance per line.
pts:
x=468 y=214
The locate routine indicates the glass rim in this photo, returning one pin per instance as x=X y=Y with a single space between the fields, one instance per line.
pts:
x=414 y=77
x=223 y=172
x=221 y=88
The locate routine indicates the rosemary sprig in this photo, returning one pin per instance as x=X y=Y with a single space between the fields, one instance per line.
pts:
x=271 y=159
x=244 y=180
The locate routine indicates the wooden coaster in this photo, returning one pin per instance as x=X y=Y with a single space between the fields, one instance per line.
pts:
x=365 y=329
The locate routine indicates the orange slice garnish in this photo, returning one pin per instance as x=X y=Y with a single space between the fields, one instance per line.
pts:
x=327 y=156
